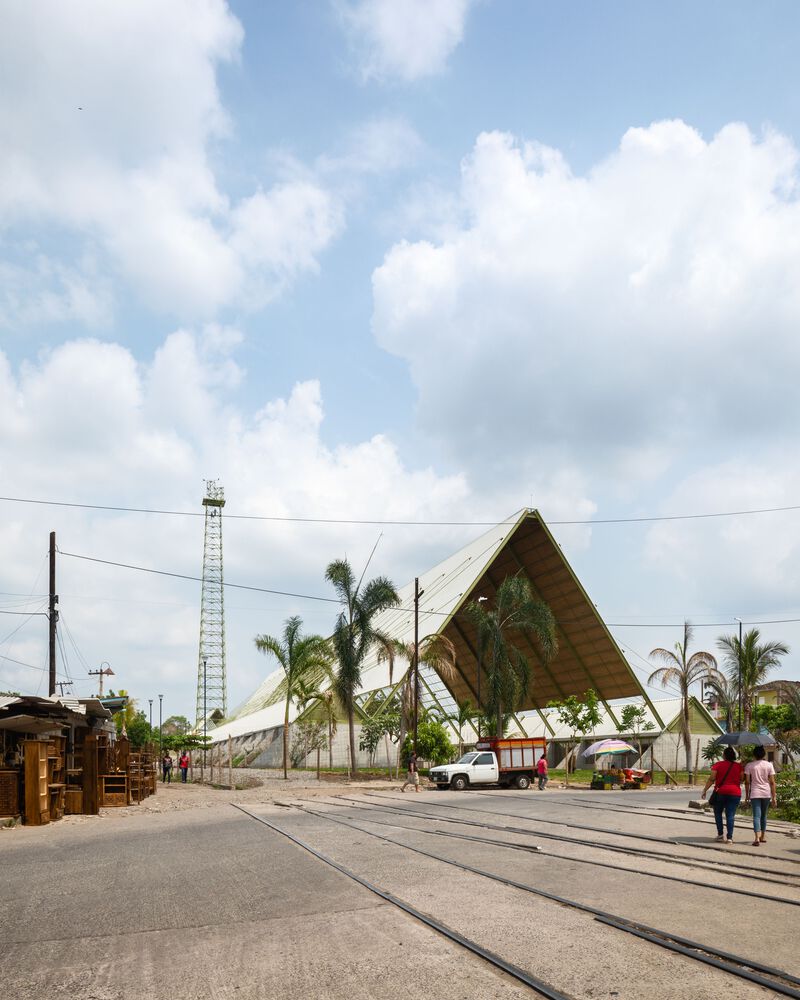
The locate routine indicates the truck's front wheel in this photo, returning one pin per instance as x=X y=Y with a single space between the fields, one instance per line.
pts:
x=523 y=781
x=459 y=783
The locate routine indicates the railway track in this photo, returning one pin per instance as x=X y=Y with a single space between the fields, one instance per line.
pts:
x=673 y=859
x=778 y=981
x=596 y=829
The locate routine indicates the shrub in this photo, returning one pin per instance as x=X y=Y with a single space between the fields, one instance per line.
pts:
x=788 y=787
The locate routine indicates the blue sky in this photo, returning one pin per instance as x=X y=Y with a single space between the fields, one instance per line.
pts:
x=420 y=260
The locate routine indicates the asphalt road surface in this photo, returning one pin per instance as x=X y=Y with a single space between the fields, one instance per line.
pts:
x=210 y=902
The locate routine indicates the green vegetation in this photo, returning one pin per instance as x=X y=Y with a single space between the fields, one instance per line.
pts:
x=355 y=633
x=749 y=660
x=516 y=617
x=787 y=784
x=633 y=720
x=682 y=671
x=433 y=743
x=297 y=655
x=579 y=716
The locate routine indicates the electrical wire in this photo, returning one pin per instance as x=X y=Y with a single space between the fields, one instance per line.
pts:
x=398 y=522
x=404 y=610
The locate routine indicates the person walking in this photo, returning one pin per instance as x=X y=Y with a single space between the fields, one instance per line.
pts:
x=541 y=770
x=412 y=773
x=183 y=764
x=726 y=777
x=166 y=768
x=760 y=791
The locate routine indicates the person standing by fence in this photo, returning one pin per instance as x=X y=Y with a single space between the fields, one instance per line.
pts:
x=183 y=764
x=760 y=791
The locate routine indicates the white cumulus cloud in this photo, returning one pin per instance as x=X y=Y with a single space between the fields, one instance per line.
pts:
x=403 y=39
x=109 y=115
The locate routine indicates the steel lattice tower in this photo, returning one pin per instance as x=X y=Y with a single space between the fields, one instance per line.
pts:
x=212 y=690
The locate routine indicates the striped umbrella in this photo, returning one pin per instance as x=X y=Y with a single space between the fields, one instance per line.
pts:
x=608 y=747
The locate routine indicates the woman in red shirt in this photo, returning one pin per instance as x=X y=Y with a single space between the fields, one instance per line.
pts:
x=726 y=776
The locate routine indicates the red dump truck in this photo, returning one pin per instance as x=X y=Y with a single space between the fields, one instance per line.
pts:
x=509 y=763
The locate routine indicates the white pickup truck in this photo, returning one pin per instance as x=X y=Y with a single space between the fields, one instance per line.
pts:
x=509 y=763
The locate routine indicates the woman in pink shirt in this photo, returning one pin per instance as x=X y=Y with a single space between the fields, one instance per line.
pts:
x=759 y=783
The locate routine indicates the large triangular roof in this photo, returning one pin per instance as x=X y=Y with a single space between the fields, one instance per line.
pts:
x=588 y=656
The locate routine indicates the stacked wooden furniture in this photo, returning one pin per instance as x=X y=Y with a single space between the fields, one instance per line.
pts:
x=114 y=788
x=56 y=775
x=37 y=793
x=9 y=792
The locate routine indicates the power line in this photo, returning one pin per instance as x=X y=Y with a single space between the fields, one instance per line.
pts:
x=30 y=614
x=381 y=521
x=425 y=611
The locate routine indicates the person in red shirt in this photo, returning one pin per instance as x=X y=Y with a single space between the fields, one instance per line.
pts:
x=183 y=764
x=541 y=770
x=726 y=777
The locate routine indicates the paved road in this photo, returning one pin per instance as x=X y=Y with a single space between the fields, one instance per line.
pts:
x=208 y=902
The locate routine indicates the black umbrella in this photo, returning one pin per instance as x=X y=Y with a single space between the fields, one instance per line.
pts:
x=745 y=740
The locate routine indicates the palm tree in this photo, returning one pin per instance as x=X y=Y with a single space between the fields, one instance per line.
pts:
x=466 y=713
x=355 y=633
x=517 y=613
x=724 y=693
x=749 y=661
x=682 y=670
x=297 y=655
x=435 y=651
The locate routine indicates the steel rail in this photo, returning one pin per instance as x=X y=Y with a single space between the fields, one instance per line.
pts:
x=580 y=826
x=542 y=988
x=734 y=965
x=724 y=867
x=657 y=875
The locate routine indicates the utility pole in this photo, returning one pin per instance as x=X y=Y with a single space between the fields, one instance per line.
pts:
x=160 y=733
x=205 y=720
x=108 y=672
x=480 y=670
x=150 y=701
x=739 y=620
x=53 y=615
x=415 y=666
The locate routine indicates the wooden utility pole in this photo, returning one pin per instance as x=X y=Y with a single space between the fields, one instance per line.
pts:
x=415 y=665
x=53 y=615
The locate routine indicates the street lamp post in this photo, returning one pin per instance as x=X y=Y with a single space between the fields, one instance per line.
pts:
x=150 y=702
x=160 y=734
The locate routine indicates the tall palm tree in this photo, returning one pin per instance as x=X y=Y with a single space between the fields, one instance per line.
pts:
x=516 y=614
x=297 y=655
x=682 y=670
x=466 y=713
x=748 y=663
x=724 y=693
x=435 y=651
x=355 y=633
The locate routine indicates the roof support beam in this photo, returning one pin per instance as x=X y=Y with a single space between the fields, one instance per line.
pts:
x=564 y=635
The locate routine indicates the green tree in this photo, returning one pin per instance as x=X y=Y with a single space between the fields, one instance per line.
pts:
x=516 y=615
x=436 y=652
x=139 y=731
x=633 y=720
x=724 y=694
x=433 y=743
x=783 y=721
x=682 y=670
x=297 y=655
x=748 y=663
x=580 y=716
x=355 y=633
x=465 y=715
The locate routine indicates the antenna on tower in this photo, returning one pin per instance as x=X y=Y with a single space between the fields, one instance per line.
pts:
x=212 y=689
